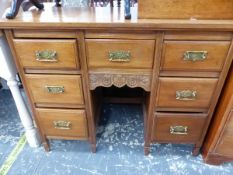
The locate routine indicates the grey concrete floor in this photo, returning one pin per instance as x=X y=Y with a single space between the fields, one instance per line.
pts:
x=119 y=148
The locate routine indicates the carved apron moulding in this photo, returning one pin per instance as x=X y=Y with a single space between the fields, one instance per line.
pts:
x=119 y=80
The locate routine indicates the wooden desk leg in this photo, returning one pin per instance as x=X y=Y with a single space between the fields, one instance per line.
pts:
x=146 y=150
x=93 y=148
x=46 y=145
x=16 y=5
x=196 y=150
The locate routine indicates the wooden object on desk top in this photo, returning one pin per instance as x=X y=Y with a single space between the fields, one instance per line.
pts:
x=185 y=9
x=72 y=18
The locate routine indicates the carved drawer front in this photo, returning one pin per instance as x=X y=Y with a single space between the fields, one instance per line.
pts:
x=62 y=123
x=194 y=55
x=110 y=53
x=178 y=128
x=53 y=90
x=47 y=53
x=187 y=94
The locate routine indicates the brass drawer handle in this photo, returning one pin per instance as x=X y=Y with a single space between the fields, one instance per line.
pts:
x=62 y=124
x=119 y=56
x=55 y=89
x=195 y=55
x=46 y=56
x=179 y=130
x=186 y=95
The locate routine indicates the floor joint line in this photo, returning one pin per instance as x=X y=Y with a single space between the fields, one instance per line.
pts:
x=6 y=166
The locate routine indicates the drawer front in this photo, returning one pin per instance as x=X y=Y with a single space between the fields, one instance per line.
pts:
x=63 y=123
x=55 y=89
x=120 y=53
x=194 y=55
x=42 y=53
x=178 y=128
x=186 y=93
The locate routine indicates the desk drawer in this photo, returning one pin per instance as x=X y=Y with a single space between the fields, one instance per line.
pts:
x=118 y=53
x=178 y=128
x=55 y=89
x=194 y=55
x=47 y=53
x=63 y=123
x=185 y=93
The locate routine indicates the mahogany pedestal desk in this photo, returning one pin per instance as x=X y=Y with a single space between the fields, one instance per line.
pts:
x=64 y=54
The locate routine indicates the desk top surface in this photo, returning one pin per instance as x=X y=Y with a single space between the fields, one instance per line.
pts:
x=99 y=17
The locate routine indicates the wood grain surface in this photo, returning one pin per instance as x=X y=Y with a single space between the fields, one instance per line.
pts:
x=218 y=143
x=73 y=93
x=77 y=119
x=185 y=9
x=163 y=122
x=141 y=51
x=66 y=53
x=89 y=18
x=166 y=96
x=173 y=56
